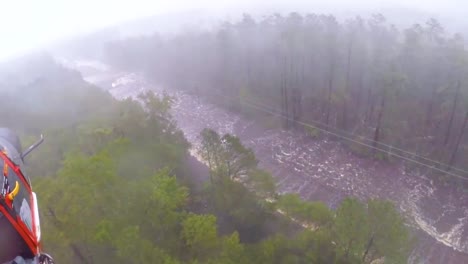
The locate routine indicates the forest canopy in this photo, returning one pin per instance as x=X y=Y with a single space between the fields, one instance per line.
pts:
x=114 y=187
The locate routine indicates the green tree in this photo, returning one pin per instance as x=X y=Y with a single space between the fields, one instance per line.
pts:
x=262 y=184
x=351 y=229
x=313 y=213
x=200 y=236
x=210 y=150
x=226 y=156
x=388 y=236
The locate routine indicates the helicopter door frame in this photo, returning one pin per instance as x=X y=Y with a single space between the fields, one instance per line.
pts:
x=28 y=234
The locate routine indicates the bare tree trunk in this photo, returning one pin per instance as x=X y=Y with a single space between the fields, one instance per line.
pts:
x=430 y=109
x=348 y=248
x=369 y=107
x=297 y=106
x=211 y=171
x=379 y=122
x=286 y=108
x=284 y=95
x=452 y=115
x=369 y=245
x=359 y=100
x=346 y=94
x=330 y=87
x=283 y=104
x=460 y=136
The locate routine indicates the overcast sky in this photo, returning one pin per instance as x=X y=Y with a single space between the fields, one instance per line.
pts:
x=27 y=24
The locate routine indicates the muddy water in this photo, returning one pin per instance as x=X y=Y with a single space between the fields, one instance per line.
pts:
x=325 y=170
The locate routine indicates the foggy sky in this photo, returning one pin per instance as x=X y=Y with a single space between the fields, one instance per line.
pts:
x=28 y=24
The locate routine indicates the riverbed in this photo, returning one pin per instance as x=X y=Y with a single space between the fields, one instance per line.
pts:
x=319 y=169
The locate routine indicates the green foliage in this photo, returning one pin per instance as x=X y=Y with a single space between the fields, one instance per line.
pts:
x=232 y=250
x=308 y=212
x=239 y=191
x=387 y=227
x=200 y=235
x=351 y=229
x=312 y=132
x=262 y=183
x=226 y=156
x=133 y=249
x=108 y=194
x=241 y=209
x=238 y=160
x=369 y=232
x=210 y=150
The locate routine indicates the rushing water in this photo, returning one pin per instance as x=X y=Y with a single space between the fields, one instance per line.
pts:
x=323 y=169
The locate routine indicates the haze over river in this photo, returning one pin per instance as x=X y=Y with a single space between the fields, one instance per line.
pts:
x=318 y=169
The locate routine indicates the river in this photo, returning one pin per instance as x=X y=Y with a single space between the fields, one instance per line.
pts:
x=319 y=169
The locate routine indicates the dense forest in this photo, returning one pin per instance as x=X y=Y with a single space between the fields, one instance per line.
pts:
x=396 y=92
x=114 y=186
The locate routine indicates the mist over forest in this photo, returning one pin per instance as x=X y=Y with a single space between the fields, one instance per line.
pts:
x=281 y=134
x=364 y=77
x=91 y=44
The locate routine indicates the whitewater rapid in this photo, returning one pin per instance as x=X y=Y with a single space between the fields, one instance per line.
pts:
x=323 y=169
